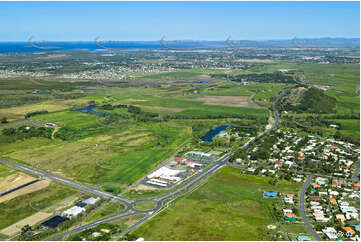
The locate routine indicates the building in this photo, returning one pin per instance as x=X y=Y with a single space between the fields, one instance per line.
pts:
x=330 y=232
x=73 y=212
x=91 y=201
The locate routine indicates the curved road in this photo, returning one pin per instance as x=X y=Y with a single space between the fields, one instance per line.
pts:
x=302 y=208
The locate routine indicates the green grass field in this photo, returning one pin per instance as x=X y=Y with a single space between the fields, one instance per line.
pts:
x=107 y=155
x=205 y=214
x=107 y=210
x=6 y=170
x=145 y=205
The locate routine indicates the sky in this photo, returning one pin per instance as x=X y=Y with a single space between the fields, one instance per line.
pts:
x=84 y=21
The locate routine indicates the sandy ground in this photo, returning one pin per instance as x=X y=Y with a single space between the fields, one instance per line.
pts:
x=67 y=202
x=144 y=188
x=31 y=220
x=161 y=109
x=25 y=190
x=130 y=222
x=14 y=180
x=232 y=101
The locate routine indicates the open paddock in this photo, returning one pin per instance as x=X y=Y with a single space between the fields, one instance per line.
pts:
x=25 y=190
x=231 y=101
x=14 y=180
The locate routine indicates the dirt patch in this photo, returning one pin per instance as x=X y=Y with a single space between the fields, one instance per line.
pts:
x=67 y=202
x=143 y=187
x=130 y=222
x=14 y=180
x=160 y=109
x=25 y=190
x=231 y=101
x=130 y=100
x=271 y=226
x=31 y=220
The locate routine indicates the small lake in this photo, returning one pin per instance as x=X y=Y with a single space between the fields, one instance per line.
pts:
x=208 y=137
x=90 y=109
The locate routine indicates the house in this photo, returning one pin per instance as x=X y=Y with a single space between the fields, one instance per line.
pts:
x=291 y=215
x=288 y=200
x=333 y=201
x=297 y=179
x=96 y=234
x=322 y=193
x=290 y=195
x=330 y=232
x=349 y=230
x=333 y=193
x=316 y=207
x=340 y=217
x=291 y=219
x=352 y=215
x=314 y=185
x=287 y=211
x=251 y=170
x=314 y=203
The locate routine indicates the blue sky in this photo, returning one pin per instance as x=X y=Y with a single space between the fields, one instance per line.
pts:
x=177 y=20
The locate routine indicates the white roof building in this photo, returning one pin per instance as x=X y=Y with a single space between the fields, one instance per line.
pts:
x=73 y=211
x=91 y=200
x=330 y=232
x=164 y=171
x=96 y=234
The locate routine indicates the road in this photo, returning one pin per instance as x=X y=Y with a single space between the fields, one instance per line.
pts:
x=302 y=208
x=356 y=174
x=66 y=182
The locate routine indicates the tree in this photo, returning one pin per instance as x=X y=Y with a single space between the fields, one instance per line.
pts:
x=272 y=182
x=26 y=231
x=4 y=120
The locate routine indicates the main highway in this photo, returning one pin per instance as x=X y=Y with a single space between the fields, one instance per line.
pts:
x=130 y=209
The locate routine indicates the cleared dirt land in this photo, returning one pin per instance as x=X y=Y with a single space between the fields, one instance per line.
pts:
x=31 y=220
x=25 y=190
x=14 y=180
x=231 y=101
